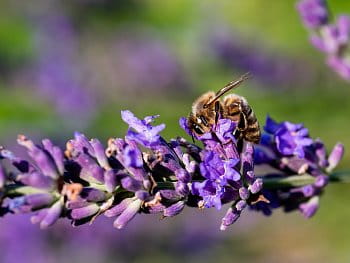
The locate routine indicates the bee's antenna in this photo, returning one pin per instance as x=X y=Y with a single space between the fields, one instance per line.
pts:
x=233 y=84
x=193 y=139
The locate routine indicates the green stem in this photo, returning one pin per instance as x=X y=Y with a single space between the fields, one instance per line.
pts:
x=283 y=182
x=340 y=177
x=269 y=183
x=288 y=182
x=13 y=190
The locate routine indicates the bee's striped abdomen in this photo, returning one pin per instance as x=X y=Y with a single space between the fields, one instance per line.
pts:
x=237 y=107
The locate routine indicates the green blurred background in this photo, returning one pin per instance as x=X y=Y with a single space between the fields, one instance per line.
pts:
x=74 y=65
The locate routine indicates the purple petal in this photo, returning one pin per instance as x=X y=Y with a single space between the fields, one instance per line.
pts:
x=230 y=217
x=83 y=212
x=244 y=193
x=321 y=181
x=132 y=121
x=128 y=214
x=340 y=65
x=309 y=208
x=189 y=165
x=196 y=187
x=111 y=180
x=270 y=125
x=174 y=209
x=155 y=209
x=146 y=134
x=230 y=172
x=335 y=156
x=22 y=165
x=119 y=208
x=45 y=163
x=36 y=180
x=184 y=125
x=76 y=204
x=142 y=195
x=17 y=205
x=132 y=157
x=313 y=12
x=100 y=153
x=182 y=188
x=92 y=195
x=39 y=200
x=224 y=130
x=319 y=43
x=343 y=24
x=53 y=213
x=170 y=195
x=39 y=216
x=131 y=184
x=93 y=173
x=82 y=144
x=308 y=190
x=56 y=154
x=256 y=186
x=241 y=205
x=297 y=165
x=182 y=175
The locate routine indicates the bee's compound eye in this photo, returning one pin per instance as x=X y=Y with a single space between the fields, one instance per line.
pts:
x=197 y=129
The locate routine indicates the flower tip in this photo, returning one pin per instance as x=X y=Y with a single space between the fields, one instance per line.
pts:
x=79 y=135
x=24 y=141
x=271 y=125
x=118 y=225
x=309 y=208
x=183 y=124
x=21 y=137
x=335 y=156
x=126 y=115
x=223 y=227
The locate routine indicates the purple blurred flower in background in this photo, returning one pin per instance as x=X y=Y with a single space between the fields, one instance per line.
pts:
x=144 y=63
x=313 y=12
x=331 y=38
x=58 y=72
x=267 y=66
x=132 y=62
x=23 y=242
x=289 y=138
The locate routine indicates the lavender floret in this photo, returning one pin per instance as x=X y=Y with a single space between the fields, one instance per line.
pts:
x=287 y=138
x=304 y=156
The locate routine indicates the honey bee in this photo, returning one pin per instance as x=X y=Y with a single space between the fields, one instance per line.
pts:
x=208 y=108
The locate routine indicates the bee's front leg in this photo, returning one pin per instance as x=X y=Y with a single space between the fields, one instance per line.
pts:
x=243 y=122
x=217 y=111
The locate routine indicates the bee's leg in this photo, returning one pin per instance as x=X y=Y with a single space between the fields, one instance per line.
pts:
x=240 y=144
x=243 y=122
x=241 y=126
x=217 y=111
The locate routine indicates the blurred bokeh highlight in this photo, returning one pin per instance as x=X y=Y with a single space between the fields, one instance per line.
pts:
x=74 y=65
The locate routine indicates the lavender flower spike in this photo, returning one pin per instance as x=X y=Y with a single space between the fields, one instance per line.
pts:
x=143 y=173
x=309 y=161
x=331 y=38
